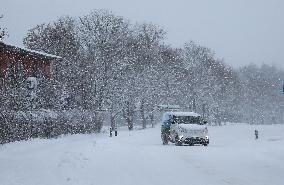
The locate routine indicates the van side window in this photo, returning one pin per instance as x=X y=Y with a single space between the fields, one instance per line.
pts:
x=173 y=120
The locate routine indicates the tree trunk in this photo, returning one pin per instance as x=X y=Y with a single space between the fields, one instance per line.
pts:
x=142 y=112
x=128 y=115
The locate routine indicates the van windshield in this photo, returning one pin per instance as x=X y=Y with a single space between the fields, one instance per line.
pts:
x=187 y=120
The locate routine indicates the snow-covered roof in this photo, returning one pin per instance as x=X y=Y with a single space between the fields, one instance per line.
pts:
x=169 y=106
x=183 y=114
x=30 y=51
x=168 y=115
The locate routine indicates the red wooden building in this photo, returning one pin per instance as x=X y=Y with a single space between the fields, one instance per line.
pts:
x=17 y=63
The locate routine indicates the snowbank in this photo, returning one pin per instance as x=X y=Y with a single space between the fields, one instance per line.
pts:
x=138 y=157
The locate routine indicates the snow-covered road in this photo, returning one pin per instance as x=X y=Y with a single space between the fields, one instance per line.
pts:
x=138 y=158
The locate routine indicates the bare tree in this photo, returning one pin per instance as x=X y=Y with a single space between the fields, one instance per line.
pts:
x=3 y=31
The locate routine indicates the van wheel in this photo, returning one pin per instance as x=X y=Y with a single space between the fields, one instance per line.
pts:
x=177 y=142
x=205 y=144
x=165 y=139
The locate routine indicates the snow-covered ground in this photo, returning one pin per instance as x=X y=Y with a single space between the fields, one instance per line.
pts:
x=138 y=158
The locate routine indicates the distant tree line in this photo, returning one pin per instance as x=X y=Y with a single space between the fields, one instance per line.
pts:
x=126 y=70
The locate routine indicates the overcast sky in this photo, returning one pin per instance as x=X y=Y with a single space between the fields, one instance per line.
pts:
x=239 y=31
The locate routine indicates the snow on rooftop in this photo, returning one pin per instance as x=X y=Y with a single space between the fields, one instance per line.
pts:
x=183 y=114
x=169 y=106
x=31 y=51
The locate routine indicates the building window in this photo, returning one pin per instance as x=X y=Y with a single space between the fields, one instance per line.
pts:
x=1 y=74
x=39 y=74
x=10 y=71
x=19 y=71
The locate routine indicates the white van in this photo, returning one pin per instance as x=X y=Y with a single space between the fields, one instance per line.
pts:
x=184 y=128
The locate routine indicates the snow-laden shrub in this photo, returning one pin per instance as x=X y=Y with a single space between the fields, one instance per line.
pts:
x=20 y=125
